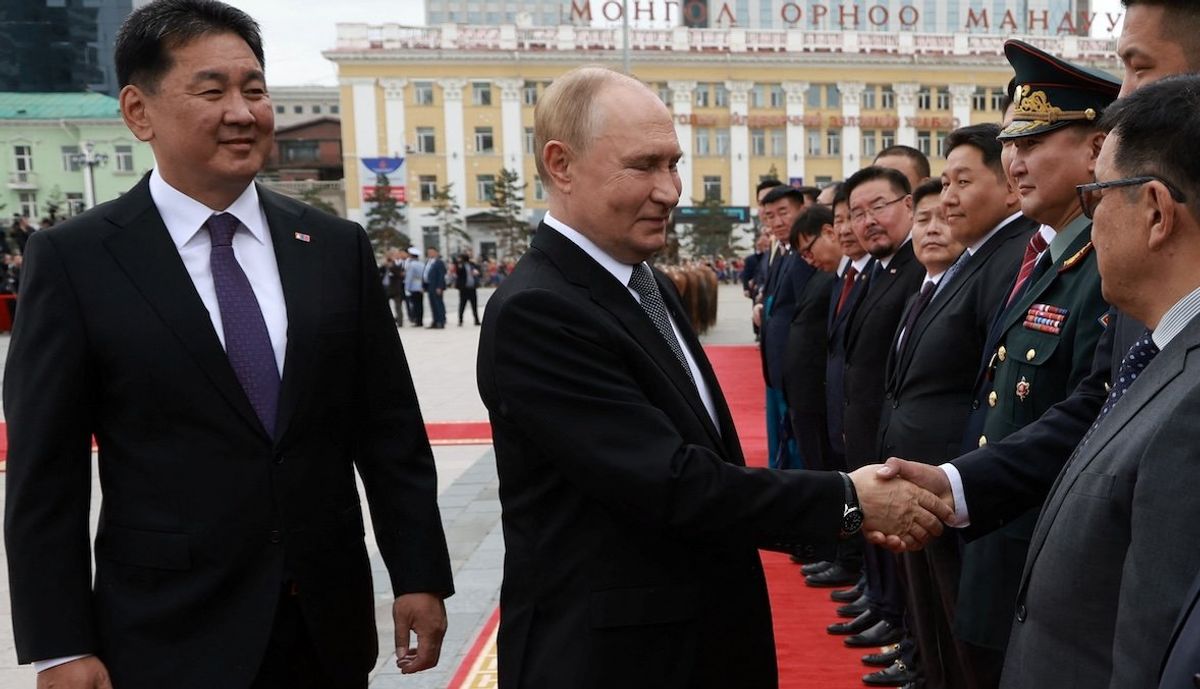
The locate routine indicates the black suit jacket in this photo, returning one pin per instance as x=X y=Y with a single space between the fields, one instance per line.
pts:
x=1181 y=665
x=784 y=287
x=835 y=363
x=808 y=345
x=630 y=520
x=930 y=382
x=869 y=335
x=205 y=516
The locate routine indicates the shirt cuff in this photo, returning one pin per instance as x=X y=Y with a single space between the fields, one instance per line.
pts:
x=39 y=665
x=962 y=517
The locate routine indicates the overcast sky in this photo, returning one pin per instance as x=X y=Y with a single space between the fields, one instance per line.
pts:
x=295 y=34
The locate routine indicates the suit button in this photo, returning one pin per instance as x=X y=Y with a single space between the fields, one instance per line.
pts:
x=887 y=395
x=1021 y=613
x=982 y=440
x=276 y=537
x=1002 y=353
x=279 y=458
x=974 y=405
x=1031 y=355
x=896 y=404
x=992 y=399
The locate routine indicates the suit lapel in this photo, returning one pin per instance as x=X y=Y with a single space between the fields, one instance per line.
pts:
x=1016 y=312
x=141 y=245
x=300 y=273
x=877 y=287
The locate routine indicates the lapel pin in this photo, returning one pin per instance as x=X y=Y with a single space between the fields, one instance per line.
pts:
x=303 y=237
x=1023 y=389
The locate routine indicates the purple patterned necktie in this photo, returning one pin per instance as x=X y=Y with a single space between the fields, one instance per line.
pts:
x=247 y=342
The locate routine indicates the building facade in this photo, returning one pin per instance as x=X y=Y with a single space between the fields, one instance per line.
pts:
x=299 y=104
x=41 y=136
x=809 y=107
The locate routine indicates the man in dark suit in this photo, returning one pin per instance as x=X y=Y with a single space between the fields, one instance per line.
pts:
x=434 y=282
x=932 y=369
x=881 y=217
x=630 y=519
x=391 y=274
x=233 y=355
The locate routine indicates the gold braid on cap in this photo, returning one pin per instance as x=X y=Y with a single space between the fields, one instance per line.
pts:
x=1034 y=110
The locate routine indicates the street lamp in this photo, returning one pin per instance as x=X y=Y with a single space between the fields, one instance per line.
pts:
x=88 y=160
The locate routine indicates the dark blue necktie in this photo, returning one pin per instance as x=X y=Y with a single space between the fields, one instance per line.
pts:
x=247 y=342
x=1139 y=357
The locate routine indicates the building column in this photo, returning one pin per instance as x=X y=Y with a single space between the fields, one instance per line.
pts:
x=513 y=141
x=906 y=110
x=456 y=148
x=681 y=108
x=795 y=92
x=739 y=142
x=366 y=141
x=851 y=95
x=960 y=97
x=393 y=116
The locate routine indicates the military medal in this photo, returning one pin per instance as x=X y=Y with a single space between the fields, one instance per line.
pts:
x=1046 y=318
x=1022 y=389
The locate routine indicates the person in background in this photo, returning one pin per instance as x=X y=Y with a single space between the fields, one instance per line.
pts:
x=467 y=277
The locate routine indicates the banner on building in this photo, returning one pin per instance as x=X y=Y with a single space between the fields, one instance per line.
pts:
x=397 y=174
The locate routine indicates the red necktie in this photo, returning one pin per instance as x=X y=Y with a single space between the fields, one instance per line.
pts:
x=847 y=286
x=1037 y=244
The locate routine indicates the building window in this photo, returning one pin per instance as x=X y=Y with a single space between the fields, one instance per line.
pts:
x=833 y=142
x=924 y=99
x=924 y=139
x=484 y=141
x=703 y=141
x=887 y=139
x=870 y=147
x=979 y=99
x=814 y=143
x=74 y=202
x=539 y=189
x=481 y=93
x=887 y=99
x=722 y=142
x=428 y=186
x=22 y=162
x=27 y=204
x=280 y=109
x=778 y=143
x=529 y=93
x=998 y=98
x=833 y=97
x=701 y=96
x=431 y=237
x=664 y=94
x=123 y=158
x=426 y=141
x=758 y=95
x=529 y=141
x=316 y=110
x=485 y=187
x=943 y=99
x=758 y=142
x=299 y=151
x=422 y=93
x=778 y=97
x=333 y=109
x=69 y=161
x=712 y=188
x=941 y=143
x=813 y=97
x=720 y=96
x=298 y=109
x=868 y=97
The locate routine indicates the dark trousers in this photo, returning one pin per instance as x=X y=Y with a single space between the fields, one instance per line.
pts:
x=465 y=295
x=399 y=306
x=416 y=307
x=812 y=439
x=437 y=307
x=291 y=659
x=883 y=584
x=931 y=579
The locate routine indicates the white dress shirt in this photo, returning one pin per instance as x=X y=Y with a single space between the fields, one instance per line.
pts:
x=622 y=272
x=255 y=252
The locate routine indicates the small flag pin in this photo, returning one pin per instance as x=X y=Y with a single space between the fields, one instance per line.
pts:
x=303 y=237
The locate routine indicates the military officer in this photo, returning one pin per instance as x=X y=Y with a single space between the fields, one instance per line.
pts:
x=1044 y=336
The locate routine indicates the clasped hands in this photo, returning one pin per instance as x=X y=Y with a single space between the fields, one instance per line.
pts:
x=904 y=503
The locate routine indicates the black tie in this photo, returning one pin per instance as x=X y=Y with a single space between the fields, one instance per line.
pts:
x=642 y=282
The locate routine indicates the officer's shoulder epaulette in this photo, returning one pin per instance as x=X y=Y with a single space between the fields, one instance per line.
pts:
x=1076 y=259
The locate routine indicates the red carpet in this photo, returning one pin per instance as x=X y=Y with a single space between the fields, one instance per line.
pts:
x=808 y=657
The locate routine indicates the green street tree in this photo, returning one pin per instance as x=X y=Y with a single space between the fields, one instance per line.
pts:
x=385 y=219
x=710 y=233
x=512 y=233
x=312 y=196
x=447 y=216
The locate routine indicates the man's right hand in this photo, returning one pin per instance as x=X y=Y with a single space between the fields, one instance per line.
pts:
x=927 y=476
x=903 y=515
x=84 y=673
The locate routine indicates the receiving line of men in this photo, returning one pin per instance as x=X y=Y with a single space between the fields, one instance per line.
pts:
x=963 y=318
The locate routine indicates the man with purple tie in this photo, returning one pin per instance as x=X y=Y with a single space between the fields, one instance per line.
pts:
x=232 y=353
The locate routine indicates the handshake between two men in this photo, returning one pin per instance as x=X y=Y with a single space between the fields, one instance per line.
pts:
x=904 y=503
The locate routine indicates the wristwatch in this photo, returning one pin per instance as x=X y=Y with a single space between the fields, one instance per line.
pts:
x=852 y=514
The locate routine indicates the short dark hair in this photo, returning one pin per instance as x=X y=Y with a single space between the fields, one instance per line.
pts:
x=809 y=223
x=982 y=137
x=926 y=188
x=842 y=195
x=1010 y=94
x=146 y=38
x=1181 y=25
x=919 y=159
x=810 y=193
x=784 y=192
x=766 y=184
x=873 y=172
x=1157 y=127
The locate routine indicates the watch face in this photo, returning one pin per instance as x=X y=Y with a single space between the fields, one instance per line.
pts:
x=852 y=520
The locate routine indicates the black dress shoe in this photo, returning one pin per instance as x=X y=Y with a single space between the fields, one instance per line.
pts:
x=854 y=609
x=886 y=657
x=895 y=676
x=881 y=634
x=815 y=568
x=859 y=624
x=849 y=595
x=834 y=576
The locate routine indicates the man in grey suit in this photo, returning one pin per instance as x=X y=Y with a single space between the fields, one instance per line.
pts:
x=1105 y=572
